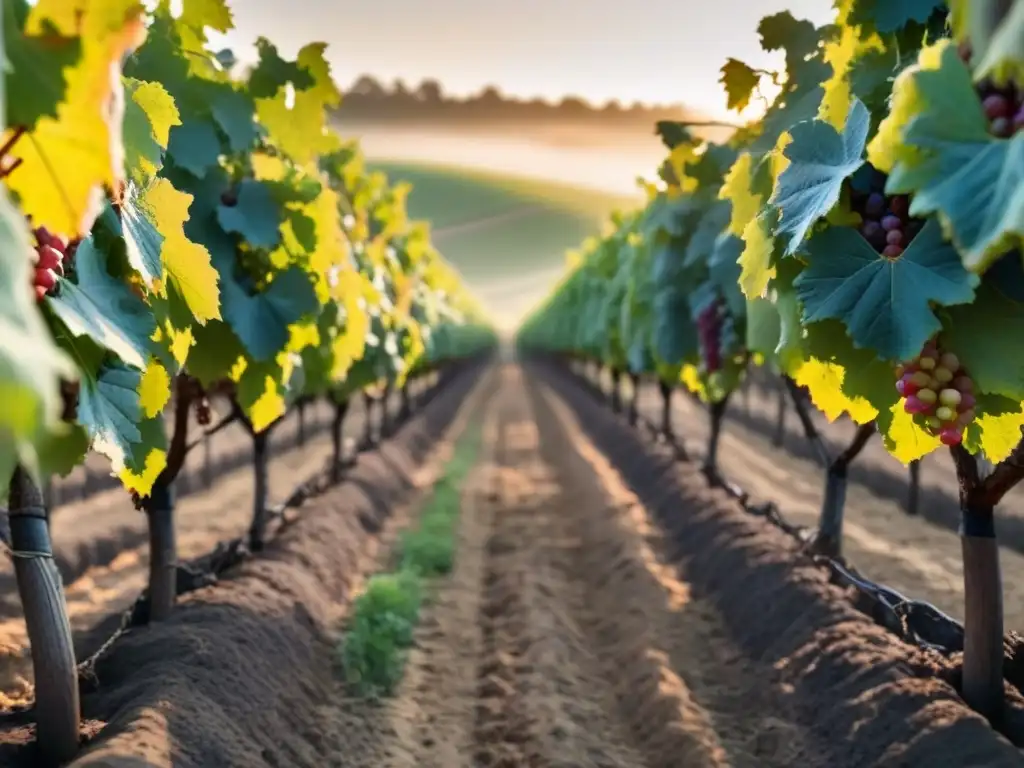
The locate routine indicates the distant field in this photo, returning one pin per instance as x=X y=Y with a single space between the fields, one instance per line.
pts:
x=506 y=235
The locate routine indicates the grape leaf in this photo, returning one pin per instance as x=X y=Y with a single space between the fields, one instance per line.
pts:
x=273 y=73
x=674 y=339
x=233 y=110
x=820 y=159
x=985 y=335
x=892 y=15
x=862 y=385
x=149 y=115
x=954 y=166
x=194 y=146
x=299 y=129
x=35 y=81
x=262 y=321
x=214 y=14
x=903 y=438
x=781 y=30
x=30 y=364
x=739 y=80
x=215 y=353
x=103 y=308
x=153 y=222
x=59 y=451
x=255 y=216
x=757 y=260
x=108 y=409
x=67 y=161
x=884 y=304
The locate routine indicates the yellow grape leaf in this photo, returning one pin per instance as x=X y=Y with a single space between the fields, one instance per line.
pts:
x=905 y=440
x=302 y=335
x=154 y=389
x=824 y=380
x=755 y=262
x=187 y=264
x=268 y=408
x=999 y=435
x=736 y=189
x=840 y=53
x=142 y=482
x=67 y=162
x=887 y=147
x=678 y=159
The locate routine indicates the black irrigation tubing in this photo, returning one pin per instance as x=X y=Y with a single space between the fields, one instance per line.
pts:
x=913 y=621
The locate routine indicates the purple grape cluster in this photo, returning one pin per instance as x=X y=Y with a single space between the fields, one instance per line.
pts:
x=1004 y=105
x=886 y=221
x=709 y=333
x=938 y=392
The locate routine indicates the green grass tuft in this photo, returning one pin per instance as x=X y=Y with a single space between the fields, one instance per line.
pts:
x=384 y=617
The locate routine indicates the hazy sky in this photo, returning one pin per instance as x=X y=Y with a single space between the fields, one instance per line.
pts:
x=653 y=50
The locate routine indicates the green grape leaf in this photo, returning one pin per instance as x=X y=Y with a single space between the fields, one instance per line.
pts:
x=673 y=338
x=979 y=194
x=103 y=308
x=986 y=336
x=214 y=14
x=255 y=216
x=273 y=73
x=234 y=110
x=35 y=81
x=886 y=305
x=194 y=146
x=149 y=115
x=892 y=15
x=781 y=31
x=739 y=80
x=972 y=180
x=30 y=364
x=109 y=410
x=673 y=133
x=62 y=450
x=724 y=271
x=262 y=321
x=216 y=350
x=820 y=160
x=712 y=222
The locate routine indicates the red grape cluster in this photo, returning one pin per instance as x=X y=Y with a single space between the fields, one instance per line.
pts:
x=886 y=224
x=1004 y=106
x=709 y=333
x=938 y=392
x=52 y=255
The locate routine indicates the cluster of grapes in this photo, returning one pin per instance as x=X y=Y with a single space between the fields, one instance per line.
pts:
x=52 y=257
x=1004 y=106
x=203 y=413
x=709 y=332
x=887 y=224
x=938 y=392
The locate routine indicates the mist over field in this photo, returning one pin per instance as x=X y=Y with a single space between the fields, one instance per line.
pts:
x=506 y=204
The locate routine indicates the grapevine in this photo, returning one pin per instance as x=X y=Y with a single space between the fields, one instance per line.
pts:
x=174 y=234
x=863 y=240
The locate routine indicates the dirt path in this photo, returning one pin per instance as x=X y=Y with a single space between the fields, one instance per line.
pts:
x=563 y=639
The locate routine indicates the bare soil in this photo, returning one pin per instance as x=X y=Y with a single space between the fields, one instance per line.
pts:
x=585 y=627
x=606 y=609
x=233 y=678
